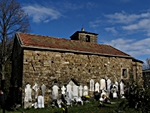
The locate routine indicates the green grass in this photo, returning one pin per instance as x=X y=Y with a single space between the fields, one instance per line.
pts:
x=88 y=107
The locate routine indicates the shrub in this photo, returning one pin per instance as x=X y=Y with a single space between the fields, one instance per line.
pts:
x=138 y=97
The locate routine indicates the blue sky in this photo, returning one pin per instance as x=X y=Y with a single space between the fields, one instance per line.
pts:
x=123 y=24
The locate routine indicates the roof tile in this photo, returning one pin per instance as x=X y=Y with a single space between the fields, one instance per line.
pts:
x=65 y=44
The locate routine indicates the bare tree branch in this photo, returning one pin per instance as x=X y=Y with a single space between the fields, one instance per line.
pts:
x=12 y=19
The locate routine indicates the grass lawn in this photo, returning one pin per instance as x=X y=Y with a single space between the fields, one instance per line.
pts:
x=88 y=107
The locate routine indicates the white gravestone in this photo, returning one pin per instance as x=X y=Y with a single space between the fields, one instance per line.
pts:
x=75 y=91
x=69 y=91
x=43 y=88
x=28 y=92
x=108 y=85
x=35 y=88
x=121 y=88
x=116 y=84
x=103 y=94
x=80 y=90
x=40 y=102
x=85 y=90
x=63 y=90
x=91 y=85
x=55 y=92
x=114 y=91
x=28 y=97
x=102 y=84
x=97 y=87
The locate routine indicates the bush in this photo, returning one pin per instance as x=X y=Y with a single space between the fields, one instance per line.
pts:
x=138 y=97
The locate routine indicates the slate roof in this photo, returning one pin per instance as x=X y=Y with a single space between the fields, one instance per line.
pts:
x=60 y=44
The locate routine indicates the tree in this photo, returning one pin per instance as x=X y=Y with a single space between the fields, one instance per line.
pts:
x=12 y=19
x=146 y=65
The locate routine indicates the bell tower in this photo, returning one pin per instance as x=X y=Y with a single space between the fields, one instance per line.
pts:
x=84 y=36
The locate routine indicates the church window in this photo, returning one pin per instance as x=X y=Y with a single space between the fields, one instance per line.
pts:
x=87 y=38
x=124 y=73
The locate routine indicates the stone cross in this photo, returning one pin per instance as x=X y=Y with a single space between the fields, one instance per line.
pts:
x=97 y=87
x=91 y=85
x=63 y=90
x=43 y=88
x=35 y=88
x=55 y=92
x=85 y=90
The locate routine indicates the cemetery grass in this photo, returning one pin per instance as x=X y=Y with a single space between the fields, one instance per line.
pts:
x=88 y=107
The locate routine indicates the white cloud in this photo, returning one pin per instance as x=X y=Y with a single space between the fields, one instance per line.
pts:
x=130 y=22
x=131 y=46
x=111 y=29
x=126 y=18
x=41 y=13
x=95 y=23
x=142 y=25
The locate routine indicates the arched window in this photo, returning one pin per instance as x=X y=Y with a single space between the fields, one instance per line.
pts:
x=87 y=38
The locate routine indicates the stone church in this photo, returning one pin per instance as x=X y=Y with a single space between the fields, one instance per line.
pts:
x=48 y=60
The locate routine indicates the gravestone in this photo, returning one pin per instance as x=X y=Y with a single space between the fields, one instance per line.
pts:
x=85 y=90
x=69 y=91
x=91 y=85
x=122 y=89
x=103 y=94
x=116 y=84
x=102 y=84
x=114 y=91
x=55 y=92
x=43 y=88
x=80 y=90
x=28 y=97
x=40 y=101
x=108 y=85
x=63 y=90
x=35 y=88
x=75 y=91
x=97 y=87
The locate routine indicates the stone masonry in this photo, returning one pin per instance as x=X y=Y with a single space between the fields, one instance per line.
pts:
x=45 y=67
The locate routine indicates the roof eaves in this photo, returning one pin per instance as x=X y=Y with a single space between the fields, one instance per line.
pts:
x=19 y=39
x=75 y=51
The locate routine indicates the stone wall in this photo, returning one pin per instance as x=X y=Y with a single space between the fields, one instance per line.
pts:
x=47 y=67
